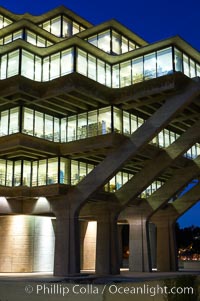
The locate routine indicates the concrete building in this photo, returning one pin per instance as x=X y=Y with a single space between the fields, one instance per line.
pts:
x=98 y=129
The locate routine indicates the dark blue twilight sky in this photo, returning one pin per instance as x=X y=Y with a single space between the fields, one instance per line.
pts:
x=152 y=20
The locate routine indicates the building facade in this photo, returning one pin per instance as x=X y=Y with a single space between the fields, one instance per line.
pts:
x=98 y=129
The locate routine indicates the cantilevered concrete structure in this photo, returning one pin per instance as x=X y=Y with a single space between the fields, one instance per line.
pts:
x=98 y=129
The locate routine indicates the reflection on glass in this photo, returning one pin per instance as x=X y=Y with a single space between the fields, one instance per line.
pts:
x=27 y=64
x=104 y=121
x=13 y=63
x=52 y=176
x=82 y=126
x=26 y=173
x=71 y=128
x=104 y=41
x=164 y=62
x=116 y=43
x=117 y=119
x=42 y=172
x=125 y=74
x=17 y=173
x=2 y=172
x=27 y=124
x=149 y=66
x=186 y=69
x=14 y=121
x=82 y=62
x=137 y=69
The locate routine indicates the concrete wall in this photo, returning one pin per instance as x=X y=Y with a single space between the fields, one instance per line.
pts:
x=26 y=244
x=88 y=245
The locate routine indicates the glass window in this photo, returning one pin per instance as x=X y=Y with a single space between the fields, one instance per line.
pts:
x=39 y=125
x=93 y=40
x=67 y=28
x=45 y=69
x=101 y=72
x=57 y=130
x=198 y=69
x=137 y=70
x=35 y=174
x=131 y=46
x=126 y=123
x=108 y=75
x=74 y=172
x=115 y=76
x=164 y=61
x=134 y=124
x=149 y=66
x=3 y=66
x=124 y=45
x=8 y=39
x=48 y=127
x=82 y=170
x=64 y=171
x=27 y=123
x=26 y=173
x=71 y=128
x=31 y=37
x=14 y=121
x=2 y=172
x=104 y=121
x=82 y=62
x=186 y=65
x=42 y=172
x=124 y=178
x=38 y=68
x=67 y=61
x=9 y=173
x=27 y=64
x=63 y=129
x=116 y=43
x=13 y=63
x=47 y=26
x=118 y=180
x=178 y=60
x=52 y=171
x=75 y=29
x=82 y=126
x=17 y=35
x=92 y=124
x=41 y=42
x=125 y=74
x=91 y=67
x=17 y=173
x=55 y=66
x=104 y=41
x=117 y=119
x=192 y=68
x=166 y=137
x=4 y=123
x=161 y=139
x=56 y=26
x=140 y=121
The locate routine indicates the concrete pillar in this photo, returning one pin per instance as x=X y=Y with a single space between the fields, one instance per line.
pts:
x=67 y=244
x=166 y=246
x=107 y=252
x=139 y=250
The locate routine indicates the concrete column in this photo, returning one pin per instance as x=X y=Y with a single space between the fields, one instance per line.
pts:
x=107 y=252
x=166 y=246
x=67 y=244
x=139 y=250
